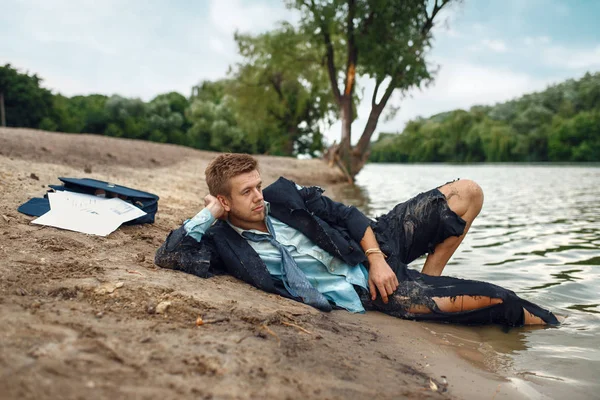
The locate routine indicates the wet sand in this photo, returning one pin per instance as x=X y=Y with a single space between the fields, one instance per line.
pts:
x=92 y=317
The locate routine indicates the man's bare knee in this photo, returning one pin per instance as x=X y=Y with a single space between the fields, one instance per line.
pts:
x=463 y=196
x=474 y=193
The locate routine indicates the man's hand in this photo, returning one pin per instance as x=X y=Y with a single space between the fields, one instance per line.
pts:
x=381 y=277
x=214 y=206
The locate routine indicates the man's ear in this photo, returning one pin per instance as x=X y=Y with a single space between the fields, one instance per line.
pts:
x=225 y=203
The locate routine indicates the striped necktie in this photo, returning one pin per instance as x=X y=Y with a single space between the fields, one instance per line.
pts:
x=294 y=279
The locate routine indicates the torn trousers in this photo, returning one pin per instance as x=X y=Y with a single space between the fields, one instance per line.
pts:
x=416 y=227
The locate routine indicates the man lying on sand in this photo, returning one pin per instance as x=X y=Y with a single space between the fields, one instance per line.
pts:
x=295 y=242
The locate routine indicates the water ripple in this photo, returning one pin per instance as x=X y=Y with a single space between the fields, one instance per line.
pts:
x=538 y=234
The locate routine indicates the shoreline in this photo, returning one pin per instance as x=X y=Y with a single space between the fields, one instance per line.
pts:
x=69 y=332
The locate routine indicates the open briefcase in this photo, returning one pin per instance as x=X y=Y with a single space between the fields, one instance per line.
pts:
x=145 y=201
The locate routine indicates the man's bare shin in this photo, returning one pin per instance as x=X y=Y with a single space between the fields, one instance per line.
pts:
x=465 y=198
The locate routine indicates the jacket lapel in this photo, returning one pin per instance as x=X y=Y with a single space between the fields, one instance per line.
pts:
x=240 y=258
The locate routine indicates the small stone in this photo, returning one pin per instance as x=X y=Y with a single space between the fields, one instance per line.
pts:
x=21 y=292
x=87 y=169
x=5 y=218
x=140 y=257
x=432 y=385
x=108 y=288
x=34 y=176
x=147 y=339
x=90 y=384
x=162 y=307
x=99 y=315
x=199 y=321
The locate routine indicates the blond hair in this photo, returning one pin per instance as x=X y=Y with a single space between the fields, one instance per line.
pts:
x=224 y=167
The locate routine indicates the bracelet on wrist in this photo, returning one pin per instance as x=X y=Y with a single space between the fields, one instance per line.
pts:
x=368 y=252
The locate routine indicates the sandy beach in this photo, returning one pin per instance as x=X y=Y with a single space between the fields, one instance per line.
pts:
x=92 y=317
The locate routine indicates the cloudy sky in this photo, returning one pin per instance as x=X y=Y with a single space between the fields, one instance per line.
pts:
x=488 y=51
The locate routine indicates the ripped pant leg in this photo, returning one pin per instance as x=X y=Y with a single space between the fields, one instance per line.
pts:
x=468 y=302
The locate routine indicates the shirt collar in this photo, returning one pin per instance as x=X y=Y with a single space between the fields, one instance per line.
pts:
x=240 y=230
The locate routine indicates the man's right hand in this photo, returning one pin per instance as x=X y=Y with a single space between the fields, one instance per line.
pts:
x=214 y=206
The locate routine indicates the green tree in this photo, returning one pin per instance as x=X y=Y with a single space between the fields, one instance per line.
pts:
x=576 y=139
x=127 y=118
x=25 y=102
x=381 y=39
x=93 y=112
x=166 y=118
x=213 y=123
x=557 y=124
x=78 y=114
x=282 y=92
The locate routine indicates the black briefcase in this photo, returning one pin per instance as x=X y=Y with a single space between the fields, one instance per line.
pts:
x=145 y=201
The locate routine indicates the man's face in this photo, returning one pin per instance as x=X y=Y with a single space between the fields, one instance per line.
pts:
x=245 y=204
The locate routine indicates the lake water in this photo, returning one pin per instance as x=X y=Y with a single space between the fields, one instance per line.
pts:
x=539 y=235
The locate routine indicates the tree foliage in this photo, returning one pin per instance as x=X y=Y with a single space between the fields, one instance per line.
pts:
x=26 y=103
x=381 y=39
x=213 y=123
x=166 y=118
x=281 y=96
x=281 y=92
x=561 y=123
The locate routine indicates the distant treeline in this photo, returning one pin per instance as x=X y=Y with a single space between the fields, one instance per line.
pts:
x=264 y=106
x=561 y=123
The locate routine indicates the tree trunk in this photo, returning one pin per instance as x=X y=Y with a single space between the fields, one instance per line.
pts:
x=345 y=147
x=290 y=140
x=348 y=158
x=2 y=113
x=361 y=150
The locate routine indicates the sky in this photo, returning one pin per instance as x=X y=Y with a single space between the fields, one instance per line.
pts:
x=487 y=51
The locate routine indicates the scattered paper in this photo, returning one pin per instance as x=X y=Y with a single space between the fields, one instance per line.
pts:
x=86 y=213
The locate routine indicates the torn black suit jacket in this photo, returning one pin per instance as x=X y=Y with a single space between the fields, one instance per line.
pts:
x=334 y=227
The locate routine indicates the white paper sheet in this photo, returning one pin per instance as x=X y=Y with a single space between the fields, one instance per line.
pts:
x=87 y=213
x=69 y=201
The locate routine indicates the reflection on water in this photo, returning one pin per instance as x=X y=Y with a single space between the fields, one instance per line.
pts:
x=585 y=308
x=561 y=277
x=354 y=195
x=539 y=235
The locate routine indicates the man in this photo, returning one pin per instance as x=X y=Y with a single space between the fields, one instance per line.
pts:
x=295 y=242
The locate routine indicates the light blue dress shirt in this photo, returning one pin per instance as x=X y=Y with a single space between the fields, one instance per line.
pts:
x=329 y=275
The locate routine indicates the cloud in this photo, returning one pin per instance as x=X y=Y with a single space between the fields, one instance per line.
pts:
x=134 y=48
x=459 y=85
x=479 y=28
x=572 y=58
x=536 y=40
x=462 y=85
x=495 y=45
x=227 y=16
x=140 y=49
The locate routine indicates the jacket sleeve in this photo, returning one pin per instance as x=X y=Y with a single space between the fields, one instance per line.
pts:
x=335 y=213
x=182 y=252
